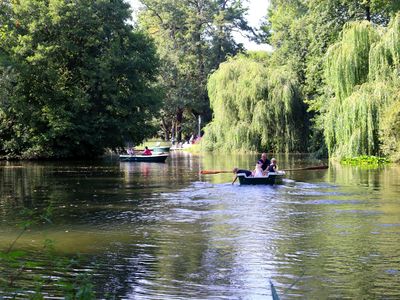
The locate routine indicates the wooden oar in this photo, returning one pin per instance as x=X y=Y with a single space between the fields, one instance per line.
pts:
x=211 y=172
x=307 y=168
x=274 y=293
x=214 y=171
x=234 y=179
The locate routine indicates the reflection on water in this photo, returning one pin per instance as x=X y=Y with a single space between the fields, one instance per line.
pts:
x=162 y=231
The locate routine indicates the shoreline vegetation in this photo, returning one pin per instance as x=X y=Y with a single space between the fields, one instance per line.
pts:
x=199 y=148
x=18 y=264
x=365 y=161
x=77 y=80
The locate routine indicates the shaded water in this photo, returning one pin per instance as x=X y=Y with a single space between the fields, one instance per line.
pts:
x=162 y=231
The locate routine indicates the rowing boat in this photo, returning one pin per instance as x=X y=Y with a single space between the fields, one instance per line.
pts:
x=271 y=178
x=160 y=158
x=161 y=149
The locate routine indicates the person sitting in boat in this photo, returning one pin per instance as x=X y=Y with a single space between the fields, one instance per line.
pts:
x=258 y=171
x=129 y=151
x=273 y=166
x=265 y=162
x=147 y=151
x=237 y=171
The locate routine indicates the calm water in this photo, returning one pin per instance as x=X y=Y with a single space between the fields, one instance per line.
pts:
x=162 y=231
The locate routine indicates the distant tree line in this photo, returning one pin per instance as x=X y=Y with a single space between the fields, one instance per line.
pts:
x=77 y=78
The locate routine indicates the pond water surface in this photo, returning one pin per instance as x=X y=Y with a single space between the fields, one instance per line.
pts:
x=163 y=231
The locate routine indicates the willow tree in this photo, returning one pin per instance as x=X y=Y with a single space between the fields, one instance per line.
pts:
x=384 y=64
x=302 y=31
x=362 y=71
x=255 y=107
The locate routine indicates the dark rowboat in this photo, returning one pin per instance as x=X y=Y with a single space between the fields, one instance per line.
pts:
x=161 y=149
x=144 y=158
x=271 y=178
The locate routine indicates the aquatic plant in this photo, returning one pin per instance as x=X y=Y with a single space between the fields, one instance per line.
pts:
x=365 y=160
x=14 y=264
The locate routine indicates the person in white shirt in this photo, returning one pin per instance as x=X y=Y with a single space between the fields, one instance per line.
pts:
x=258 y=171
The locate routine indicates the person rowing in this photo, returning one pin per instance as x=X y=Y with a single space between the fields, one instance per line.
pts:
x=242 y=171
x=264 y=161
x=237 y=171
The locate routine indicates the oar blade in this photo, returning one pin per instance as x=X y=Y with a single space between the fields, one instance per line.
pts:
x=210 y=172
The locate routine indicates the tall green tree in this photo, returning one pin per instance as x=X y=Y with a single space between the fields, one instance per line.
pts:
x=362 y=71
x=301 y=33
x=255 y=107
x=84 y=78
x=192 y=38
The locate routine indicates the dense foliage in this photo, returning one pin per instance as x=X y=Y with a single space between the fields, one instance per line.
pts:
x=78 y=78
x=362 y=70
x=75 y=78
x=345 y=56
x=192 y=38
x=324 y=53
x=255 y=107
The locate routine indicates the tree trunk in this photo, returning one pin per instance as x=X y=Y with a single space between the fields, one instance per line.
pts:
x=368 y=11
x=165 y=128
x=179 y=118
x=221 y=33
x=173 y=136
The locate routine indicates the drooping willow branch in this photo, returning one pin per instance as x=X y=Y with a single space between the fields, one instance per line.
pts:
x=363 y=71
x=255 y=107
